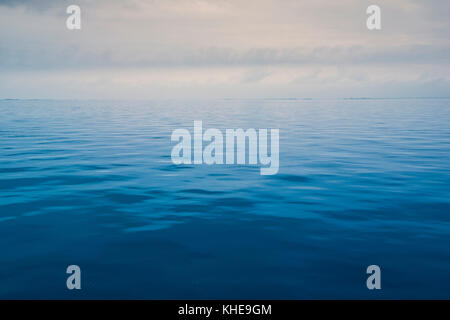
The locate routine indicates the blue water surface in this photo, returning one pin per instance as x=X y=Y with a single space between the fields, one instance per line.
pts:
x=92 y=183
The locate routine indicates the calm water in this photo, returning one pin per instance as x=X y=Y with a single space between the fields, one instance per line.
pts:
x=91 y=183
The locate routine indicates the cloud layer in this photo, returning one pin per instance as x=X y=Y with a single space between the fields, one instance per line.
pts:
x=223 y=48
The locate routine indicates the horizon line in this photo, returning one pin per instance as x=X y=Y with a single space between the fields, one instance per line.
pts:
x=251 y=98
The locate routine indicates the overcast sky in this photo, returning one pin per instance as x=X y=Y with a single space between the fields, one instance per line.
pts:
x=224 y=49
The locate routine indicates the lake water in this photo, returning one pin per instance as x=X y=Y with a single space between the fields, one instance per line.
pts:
x=91 y=183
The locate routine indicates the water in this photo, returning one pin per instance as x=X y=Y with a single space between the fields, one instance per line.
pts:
x=91 y=183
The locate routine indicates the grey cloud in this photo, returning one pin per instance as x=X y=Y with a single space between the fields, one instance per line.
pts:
x=72 y=57
x=42 y=5
x=35 y=4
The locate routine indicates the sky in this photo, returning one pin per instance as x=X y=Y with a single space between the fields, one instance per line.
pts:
x=145 y=49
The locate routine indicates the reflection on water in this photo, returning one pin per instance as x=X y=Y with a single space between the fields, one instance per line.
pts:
x=91 y=183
